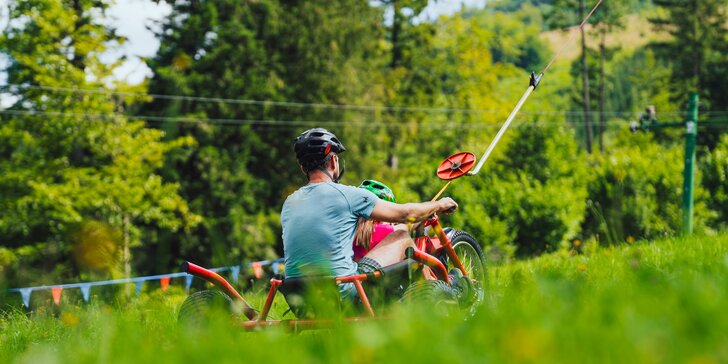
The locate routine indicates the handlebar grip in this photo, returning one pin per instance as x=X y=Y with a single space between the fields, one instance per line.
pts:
x=450 y=210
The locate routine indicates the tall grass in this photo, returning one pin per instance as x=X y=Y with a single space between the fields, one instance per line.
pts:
x=650 y=302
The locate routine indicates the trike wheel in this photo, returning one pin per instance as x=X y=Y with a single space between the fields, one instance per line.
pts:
x=471 y=256
x=199 y=307
x=428 y=291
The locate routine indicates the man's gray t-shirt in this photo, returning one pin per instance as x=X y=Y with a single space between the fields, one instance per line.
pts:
x=319 y=222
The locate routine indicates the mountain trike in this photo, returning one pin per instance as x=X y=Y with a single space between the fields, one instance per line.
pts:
x=429 y=264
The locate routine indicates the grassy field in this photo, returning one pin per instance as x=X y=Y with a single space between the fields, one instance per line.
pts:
x=651 y=302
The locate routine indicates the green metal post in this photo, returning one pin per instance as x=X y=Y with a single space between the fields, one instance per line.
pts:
x=691 y=134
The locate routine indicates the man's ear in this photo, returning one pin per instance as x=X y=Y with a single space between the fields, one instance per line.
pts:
x=332 y=164
x=302 y=170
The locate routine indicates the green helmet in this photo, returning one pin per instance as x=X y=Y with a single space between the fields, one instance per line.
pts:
x=379 y=189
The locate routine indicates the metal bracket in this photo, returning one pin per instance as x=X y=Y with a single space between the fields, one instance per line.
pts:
x=535 y=80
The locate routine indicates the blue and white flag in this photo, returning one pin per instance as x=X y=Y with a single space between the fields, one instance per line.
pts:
x=25 y=295
x=85 y=292
x=235 y=272
x=188 y=282
x=275 y=267
x=139 y=284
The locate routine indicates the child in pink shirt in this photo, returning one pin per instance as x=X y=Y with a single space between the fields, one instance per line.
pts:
x=379 y=232
x=369 y=233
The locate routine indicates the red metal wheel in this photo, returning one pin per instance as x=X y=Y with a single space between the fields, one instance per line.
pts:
x=456 y=165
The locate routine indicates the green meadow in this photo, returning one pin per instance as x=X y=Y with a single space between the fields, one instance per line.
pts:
x=650 y=302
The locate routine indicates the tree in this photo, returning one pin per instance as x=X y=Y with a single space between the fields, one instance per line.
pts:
x=585 y=84
x=281 y=51
x=404 y=36
x=714 y=169
x=71 y=159
x=213 y=49
x=608 y=18
x=700 y=41
x=561 y=16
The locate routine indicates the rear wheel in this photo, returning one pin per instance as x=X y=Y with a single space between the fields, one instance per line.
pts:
x=471 y=256
x=199 y=307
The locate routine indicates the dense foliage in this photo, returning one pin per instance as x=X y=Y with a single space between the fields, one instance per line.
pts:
x=73 y=166
x=203 y=173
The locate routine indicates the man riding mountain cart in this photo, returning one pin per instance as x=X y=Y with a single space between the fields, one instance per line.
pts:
x=320 y=221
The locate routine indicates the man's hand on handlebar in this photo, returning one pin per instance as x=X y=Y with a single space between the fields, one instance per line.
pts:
x=447 y=205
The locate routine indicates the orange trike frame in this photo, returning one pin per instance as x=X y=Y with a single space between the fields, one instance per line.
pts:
x=425 y=252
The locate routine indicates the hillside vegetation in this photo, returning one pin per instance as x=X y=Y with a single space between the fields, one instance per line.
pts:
x=636 y=33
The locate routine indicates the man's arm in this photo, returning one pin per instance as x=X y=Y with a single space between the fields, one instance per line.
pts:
x=411 y=212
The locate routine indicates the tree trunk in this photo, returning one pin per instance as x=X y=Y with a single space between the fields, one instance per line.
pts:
x=395 y=62
x=602 y=91
x=126 y=252
x=393 y=160
x=79 y=59
x=585 y=84
x=396 y=29
x=126 y=258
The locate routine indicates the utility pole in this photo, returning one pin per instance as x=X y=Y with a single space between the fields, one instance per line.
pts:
x=649 y=121
x=691 y=134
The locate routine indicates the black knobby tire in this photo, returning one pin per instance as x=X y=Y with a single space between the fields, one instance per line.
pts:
x=471 y=256
x=199 y=307
x=428 y=291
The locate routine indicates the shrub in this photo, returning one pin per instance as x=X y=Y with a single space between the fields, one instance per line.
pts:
x=714 y=168
x=636 y=191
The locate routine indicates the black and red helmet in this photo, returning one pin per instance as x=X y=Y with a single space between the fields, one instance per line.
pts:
x=313 y=145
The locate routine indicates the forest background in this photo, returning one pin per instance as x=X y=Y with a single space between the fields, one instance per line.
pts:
x=100 y=178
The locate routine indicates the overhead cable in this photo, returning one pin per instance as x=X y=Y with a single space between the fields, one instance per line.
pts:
x=310 y=105
x=273 y=122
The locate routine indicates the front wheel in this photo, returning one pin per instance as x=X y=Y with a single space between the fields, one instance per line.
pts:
x=471 y=256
